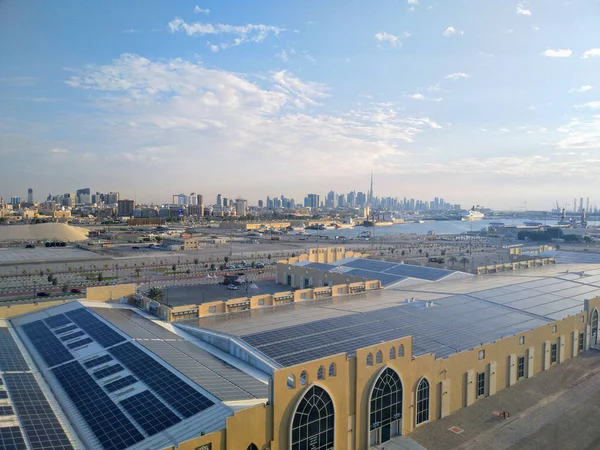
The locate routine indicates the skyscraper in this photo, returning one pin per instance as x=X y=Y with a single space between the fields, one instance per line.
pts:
x=371 y=196
x=314 y=201
x=29 y=195
x=241 y=207
x=219 y=200
x=200 y=198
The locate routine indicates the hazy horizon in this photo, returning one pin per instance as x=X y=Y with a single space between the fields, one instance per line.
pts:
x=489 y=103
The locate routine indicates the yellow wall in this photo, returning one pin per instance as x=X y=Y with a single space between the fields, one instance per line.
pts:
x=6 y=312
x=103 y=293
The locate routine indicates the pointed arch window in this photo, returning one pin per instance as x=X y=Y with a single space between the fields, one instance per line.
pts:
x=313 y=423
x=291 y=381
x=392 y=353
x=370 y=359
x=422 y=410
x=332 y=371
x=400 y=351
x=303 y=378
x=386 y=401
x=321 y=373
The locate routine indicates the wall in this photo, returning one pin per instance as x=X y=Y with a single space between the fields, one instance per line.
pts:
x=103 y=293
x=6 y=312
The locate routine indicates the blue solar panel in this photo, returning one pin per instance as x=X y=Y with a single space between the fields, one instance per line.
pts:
x=79 y=343
x=38 y=420
x=65 y=329
x=386 y=279
x=46 y=343
x=11 y=358
x=112 y=428
x=57 y=321
x=98 y=330
x=370 y=264
x=110 y=370
x=320 y=266
x=149 y=412
x=70 y=336
x=6 y=411
x=176 y=392
x=3 y=395
x=425 y=273
x=98 y=361
x=120 y=383
x=12 y=439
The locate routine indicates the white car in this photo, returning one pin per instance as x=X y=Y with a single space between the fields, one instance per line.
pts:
x=232 y=287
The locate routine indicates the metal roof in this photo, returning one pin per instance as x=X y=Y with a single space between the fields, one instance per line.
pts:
x=465 y=313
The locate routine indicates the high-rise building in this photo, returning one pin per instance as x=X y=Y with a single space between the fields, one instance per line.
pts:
x=83 y=195
x=111 y=198
x=260 y=203
x=29 y=195
x=587 y=204
x=581 y=204
x=314 y=201
x=15 y=201
x=219 y=200
x=330 y=200
x=241 y=207
x=125 y=207
x=200 y=199
x=192 y=199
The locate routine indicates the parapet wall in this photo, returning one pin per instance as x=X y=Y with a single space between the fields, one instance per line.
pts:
x=514 y=266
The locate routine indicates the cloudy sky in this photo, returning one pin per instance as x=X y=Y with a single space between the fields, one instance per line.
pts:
x=481 y=102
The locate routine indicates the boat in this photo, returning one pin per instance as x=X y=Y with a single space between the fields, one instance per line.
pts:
x=471 y=215
x=530 y=223
x=365 y=235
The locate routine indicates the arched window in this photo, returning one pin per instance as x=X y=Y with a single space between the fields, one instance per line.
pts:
x=385 y=407
x=332 y=370
x=303 y=378
x=595 y=326
x=370 y=359
x=291 y=382
x=379 y=357
x=400 y=351
x=313 y=422
x=392 y=353
x=422 y=410
x=321 y=373
x=252 y=447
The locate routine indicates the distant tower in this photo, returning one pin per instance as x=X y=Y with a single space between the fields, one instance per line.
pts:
x=574 y=205
x=29 y=195
x=370 y=199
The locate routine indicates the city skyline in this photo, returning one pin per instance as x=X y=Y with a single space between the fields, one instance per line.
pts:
x=491 y=103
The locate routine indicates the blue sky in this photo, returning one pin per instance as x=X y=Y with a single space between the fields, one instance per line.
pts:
x=481 y=102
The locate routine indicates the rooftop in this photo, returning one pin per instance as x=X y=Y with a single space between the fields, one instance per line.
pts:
x=444 y=317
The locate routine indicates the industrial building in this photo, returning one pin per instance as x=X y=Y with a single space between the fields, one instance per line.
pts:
x=344 y=372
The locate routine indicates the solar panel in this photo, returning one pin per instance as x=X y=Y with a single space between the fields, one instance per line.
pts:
x=110 y=370
x=6 y=411
x=97 y=361
x=48 y=346
x=98 y=330
x=108 y=423
x=39 y=422
x=424 y=273
x=3 y=395
x=176 y=392
x=385 y=278
x=79 y=343
x=11 y=358
x=120 y=383
x=370 y=264
x=57 y=321
x=72 y=336
x=12 y=439
x=65 y=329
x=149 y=412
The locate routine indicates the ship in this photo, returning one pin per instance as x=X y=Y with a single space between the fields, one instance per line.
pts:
x=529 y=223
x=471 y=215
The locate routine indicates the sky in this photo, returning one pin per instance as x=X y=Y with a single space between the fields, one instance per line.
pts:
x=486 y=102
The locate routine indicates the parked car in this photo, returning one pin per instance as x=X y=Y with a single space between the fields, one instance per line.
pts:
x=30 y=246
x=75 y=291
x=43 y=294
x=232 y=287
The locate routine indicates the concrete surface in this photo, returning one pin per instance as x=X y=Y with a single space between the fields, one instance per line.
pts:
x=556 y=409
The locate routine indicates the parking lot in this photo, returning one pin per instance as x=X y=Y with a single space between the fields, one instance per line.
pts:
x=203 y=293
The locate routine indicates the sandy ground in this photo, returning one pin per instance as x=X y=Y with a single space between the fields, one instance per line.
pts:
x=43 y=232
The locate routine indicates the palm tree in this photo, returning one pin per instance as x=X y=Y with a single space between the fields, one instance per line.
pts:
x=155 y=293
x=452 y=260
x=196 y=264
x=464 y=261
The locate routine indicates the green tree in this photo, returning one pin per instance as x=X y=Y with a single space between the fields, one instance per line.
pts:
x=196 y=261
x=155 y=294
x=158 y=238
x=100 y=277
x=137 y=273
x=452 y=260
x=188 y=271
x=253 y=265
x=420 y=251
x=464 y=261
x=54 y=281
x=226 y=259
x=65 y=288
x=50 y=278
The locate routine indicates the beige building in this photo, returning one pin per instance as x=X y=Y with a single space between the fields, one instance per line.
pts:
x=189 y=243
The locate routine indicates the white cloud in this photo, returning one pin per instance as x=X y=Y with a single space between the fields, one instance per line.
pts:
x=242 y=34
x=413 y=2
x=591 y=53
x=417 y=97
x=198 y=10
x=592 y=105
x=558 y=53
x=584 y=88
x=457 y=76
x=450 y=31
x=180 y=112
x=130 y=31
x=59 y=151
x=283 y=56
x=423 y=98
x=580 y=135
x=390 y=39
x=535 y=28
x=522 y=11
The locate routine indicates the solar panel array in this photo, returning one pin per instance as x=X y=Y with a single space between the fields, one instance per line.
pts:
x=120 y=383
x=79 y=343
x=57 y=321
x=46 y=343
x=68 y=337
x=12 y=439
x=176 y=392
x=65 y=329
x=149 y=412
x=98 y=330
x=438 y=330
x=110 y=370
x=11 y=358
x=39 y=422
x=6 y=411
x=98 y=361
x=108 y=423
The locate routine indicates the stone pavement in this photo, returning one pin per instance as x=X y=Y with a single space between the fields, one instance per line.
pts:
x=556 y=409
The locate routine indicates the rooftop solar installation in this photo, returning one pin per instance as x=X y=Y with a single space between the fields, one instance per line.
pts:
x=38 y=420
x=98 y=361
x=11 y=358
x=48 y=346
x=147 y=410
x=68 y=337
x=120 y=383
x=57 y=321
x=6 y=411
x=65 y=329
x=99 y=331
x=12 y=439
x=181 y=396
x=385 y=278
x=320 y=266
x=108 y=423
x=425 y=273
x=79 y=343
x=134 y=325
x=110 y=370
x=3 y=395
